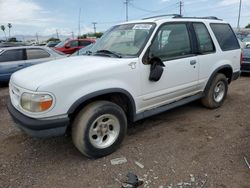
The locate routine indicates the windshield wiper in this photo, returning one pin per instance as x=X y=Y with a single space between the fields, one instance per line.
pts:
x=109 y=52
x=88 y=52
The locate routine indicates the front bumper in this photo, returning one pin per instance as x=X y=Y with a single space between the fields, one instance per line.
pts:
x=245 y=67
x=38 y=128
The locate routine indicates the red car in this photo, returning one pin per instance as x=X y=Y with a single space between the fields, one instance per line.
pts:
x=72 y=45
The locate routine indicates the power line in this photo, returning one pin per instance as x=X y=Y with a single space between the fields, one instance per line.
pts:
x=158 y=11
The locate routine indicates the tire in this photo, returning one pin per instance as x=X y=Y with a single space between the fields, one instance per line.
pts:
x=219 y=88
x=99 y=129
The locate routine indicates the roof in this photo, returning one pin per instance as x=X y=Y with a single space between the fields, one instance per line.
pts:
x=176 y=18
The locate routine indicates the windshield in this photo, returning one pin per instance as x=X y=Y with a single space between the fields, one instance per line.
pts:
x=83 y=51
x=61 y=44
x=124 y=40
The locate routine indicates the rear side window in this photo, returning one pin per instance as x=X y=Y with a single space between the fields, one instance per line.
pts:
x=36 y=53
x=12 y=55
x=225 y=36
x=84 y=43
x=73 y=44
x=205 y=42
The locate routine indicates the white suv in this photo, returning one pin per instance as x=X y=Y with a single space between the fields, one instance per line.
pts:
x=136 y=70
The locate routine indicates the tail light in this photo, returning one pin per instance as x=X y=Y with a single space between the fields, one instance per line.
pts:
x=241 y=58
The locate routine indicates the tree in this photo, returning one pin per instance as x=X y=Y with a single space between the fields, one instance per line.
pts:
x=9 y=26
x=12 y=39
x=53 y=39
x=3 y=29
x=248 y=26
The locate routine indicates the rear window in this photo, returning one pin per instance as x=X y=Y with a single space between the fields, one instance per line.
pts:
x=12 y=55
x=225 y=36
x=36 y=53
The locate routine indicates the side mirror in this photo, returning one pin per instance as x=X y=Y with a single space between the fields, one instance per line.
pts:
x=156 y=69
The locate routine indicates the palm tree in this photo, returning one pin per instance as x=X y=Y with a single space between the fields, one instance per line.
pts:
x=9 y=26
x=3 y=29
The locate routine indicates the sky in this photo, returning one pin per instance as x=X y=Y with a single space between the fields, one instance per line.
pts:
x=45 y=17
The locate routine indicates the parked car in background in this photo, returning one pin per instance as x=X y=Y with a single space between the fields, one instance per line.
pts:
x=246 y=40
x=245 y=66
x=242 y=44
x=241 y=36
x=83 y=51
x=12 y=44
x=52 y=43
x=13 y=59
x=72 y=45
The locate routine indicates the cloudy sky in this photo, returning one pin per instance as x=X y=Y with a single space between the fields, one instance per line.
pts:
x=46 y=16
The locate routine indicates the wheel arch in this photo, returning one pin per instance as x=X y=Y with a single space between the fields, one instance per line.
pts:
x=227 y=70
x=119 y=96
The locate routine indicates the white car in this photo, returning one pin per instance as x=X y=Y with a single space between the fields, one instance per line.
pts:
x=246 y=40
x=136 y=70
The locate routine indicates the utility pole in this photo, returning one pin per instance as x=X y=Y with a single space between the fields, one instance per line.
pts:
x=181 y=5
x=37 y=40
x=94 y=23
x=126 y=4
x=79 y=22
x=238 y=25
x=57 y=34
x=72 y=33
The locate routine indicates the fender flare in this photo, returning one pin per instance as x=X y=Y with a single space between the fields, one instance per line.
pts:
x=81 y=100
x=213 y=75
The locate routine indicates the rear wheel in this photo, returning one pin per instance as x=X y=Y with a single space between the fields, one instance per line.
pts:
x=216 y=93
x=99 y=129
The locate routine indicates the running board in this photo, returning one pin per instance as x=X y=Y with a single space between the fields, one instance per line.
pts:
x=167 y=107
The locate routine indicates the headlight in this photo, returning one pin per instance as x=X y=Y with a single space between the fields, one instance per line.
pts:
x=36 y=102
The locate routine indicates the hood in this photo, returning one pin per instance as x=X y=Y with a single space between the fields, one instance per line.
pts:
x=32 y=77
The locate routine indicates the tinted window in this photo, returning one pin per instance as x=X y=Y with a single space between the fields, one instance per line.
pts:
x=36 y=53
x=172 y=41
x=84 y=43
x=225 y=36
x=73 y=44
x=205 y=42
x=12 y=55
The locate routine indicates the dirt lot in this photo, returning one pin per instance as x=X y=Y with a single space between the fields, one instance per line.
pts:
x=186 y=147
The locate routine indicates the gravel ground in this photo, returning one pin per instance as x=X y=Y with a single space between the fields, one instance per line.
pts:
x=186 y=147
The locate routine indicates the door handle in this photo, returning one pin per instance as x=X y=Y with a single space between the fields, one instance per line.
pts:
x=193 y=62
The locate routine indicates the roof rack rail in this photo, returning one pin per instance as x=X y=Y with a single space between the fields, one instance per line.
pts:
x=164 y=15
x=206 y=17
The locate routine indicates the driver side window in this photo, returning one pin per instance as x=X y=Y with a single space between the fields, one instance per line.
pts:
x=172 y=41
x=73 y=44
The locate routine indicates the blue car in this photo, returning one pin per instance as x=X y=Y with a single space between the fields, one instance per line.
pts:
x=13 y=59
x=245 y=66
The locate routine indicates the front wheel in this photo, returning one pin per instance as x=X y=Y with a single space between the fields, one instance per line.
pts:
x=99 y=129
x=216 y=93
